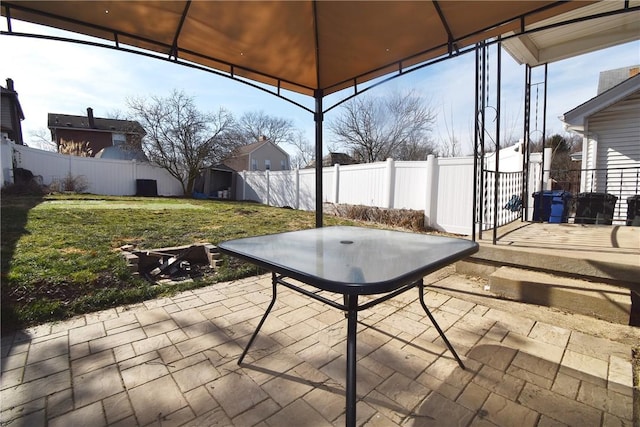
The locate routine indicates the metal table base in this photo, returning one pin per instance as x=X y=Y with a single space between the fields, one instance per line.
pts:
x=351 y=307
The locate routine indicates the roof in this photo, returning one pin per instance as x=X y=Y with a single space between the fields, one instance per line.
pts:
x=246 y=150
x=120 y=153
x=580 y=35
x=333 y=159
x=611 y=78
x=67 y=121
x=13 y=94
x=219 y=167
x=574 y=119
x=308 y=46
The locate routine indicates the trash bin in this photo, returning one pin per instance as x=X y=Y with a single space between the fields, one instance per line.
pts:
x=595 y=208
x=560 y=203
x=551 y=206
x=633 y=210
x=146 y=187
x=541 y=205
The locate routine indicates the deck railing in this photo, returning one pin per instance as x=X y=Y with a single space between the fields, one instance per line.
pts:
x=621 y=182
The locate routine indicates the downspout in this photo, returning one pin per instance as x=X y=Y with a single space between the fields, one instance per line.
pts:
x=544 y=129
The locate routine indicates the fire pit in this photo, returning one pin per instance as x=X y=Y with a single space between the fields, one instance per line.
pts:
x=176 y=263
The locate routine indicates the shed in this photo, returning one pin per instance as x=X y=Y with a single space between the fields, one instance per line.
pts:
x=216 y=181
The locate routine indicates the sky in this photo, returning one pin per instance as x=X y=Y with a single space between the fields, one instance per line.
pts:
x=66 y=78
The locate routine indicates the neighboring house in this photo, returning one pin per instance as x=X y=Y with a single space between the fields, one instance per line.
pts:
x=610 y=126
x=334 y=159
x=88 y=135
x=259 y=156
x=11 y=113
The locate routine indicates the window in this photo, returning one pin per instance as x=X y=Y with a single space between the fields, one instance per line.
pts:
x=267 y=165
x=118 y=139
x=254 y=164
x=283 y=165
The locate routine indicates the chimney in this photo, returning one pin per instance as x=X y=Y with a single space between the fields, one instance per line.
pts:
x=10 y=85
x=92 y=123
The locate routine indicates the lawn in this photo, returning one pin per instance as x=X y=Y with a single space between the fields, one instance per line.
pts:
x=60 y=253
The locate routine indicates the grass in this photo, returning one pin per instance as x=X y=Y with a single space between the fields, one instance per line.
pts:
x=60 y=257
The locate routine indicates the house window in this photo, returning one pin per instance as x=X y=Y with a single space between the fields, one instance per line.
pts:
x=254 y=164
x=118 y=139
x=283 y=165
x=267 y=165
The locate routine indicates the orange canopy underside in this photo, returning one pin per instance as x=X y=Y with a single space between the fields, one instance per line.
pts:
x=297 y=45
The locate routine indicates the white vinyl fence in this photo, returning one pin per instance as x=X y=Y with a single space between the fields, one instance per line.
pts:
x=441 y=187
x=103 y=176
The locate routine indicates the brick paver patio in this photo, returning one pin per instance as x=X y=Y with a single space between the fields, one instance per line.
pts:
x=172 y=362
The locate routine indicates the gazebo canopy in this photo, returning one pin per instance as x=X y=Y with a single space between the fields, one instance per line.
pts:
x=302 y=46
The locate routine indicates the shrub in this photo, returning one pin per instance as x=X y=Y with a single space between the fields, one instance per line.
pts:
x=70 y=183
x=404 y=218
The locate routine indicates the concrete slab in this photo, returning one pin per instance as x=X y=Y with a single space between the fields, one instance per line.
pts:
x=599 y=300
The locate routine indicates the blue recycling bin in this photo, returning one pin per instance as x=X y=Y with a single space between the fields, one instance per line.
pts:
x=552 y=206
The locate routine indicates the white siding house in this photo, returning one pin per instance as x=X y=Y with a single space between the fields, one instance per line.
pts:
x=610 y=126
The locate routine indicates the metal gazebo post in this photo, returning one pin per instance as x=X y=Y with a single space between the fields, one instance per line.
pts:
x=318 y=117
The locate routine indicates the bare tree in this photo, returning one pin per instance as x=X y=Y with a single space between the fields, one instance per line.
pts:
x=376 y=128
x=305 y=151
x=449 y=146
x=180 y=138
x=564 y=171
x=41 y=138
x=253 y=125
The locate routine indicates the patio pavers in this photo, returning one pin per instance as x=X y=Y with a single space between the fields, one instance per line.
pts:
x=172 y=361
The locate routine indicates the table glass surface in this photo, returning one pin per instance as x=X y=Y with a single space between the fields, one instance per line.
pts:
x=334 y=258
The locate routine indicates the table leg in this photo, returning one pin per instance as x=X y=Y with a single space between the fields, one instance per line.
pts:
x=352 y=323
x=433 y=320
x=264 y=317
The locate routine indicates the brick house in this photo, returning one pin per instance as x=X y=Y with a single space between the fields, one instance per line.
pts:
x=88 y=135
x=11 y=113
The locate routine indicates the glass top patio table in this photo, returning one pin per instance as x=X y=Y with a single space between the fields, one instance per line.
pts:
x=351 y=260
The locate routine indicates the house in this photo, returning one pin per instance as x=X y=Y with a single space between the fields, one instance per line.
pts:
x=259 y=156
x=11 y=113
x=609 y=124
x=88 y=135
x=334 y=159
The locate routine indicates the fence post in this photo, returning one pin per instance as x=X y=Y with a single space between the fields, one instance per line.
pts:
x=389 y=183
x=268 y=187
x=336 y=183
x=297 y=179
x=546 y=169
x=244 y=184
x=430 y=205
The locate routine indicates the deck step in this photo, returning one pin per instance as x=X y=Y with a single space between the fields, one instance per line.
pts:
x=603 y=301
